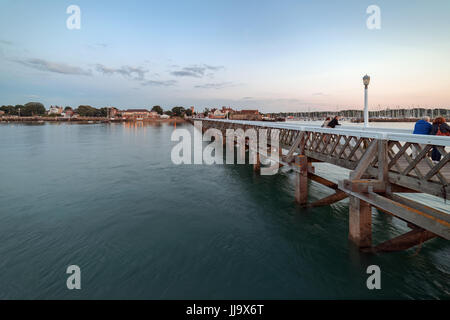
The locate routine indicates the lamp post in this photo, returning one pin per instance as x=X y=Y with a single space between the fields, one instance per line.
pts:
x=366 y=81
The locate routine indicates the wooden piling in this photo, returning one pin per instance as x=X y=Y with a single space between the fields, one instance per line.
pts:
x=301 y=187
x=360 y=222
x=257 y=164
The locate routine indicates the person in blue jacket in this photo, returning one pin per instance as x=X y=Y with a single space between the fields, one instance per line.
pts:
x=423 y=126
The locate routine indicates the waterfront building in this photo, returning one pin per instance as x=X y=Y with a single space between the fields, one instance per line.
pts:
x=227 y=110
x=154 y=115
x=112 y=112
x=69 y=113
x=220 y=114
x=245 y=115
x=137 y=114
x=55 y=110
x=217 y=114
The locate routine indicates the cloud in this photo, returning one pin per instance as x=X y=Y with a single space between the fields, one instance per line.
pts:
x=136 y=73
x=98 y=45
x=48 y=66
x=9 y=43
x=319 y=94
x=216 y=86
x=156 y=83
x=214 y=68
x=186 y=74
x=196 y=71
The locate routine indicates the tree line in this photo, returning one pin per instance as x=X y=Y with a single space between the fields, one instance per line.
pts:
x=38 y=109
x=175 y=111
x=27 y=110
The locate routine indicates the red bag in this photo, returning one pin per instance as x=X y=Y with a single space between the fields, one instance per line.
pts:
x=440 y=133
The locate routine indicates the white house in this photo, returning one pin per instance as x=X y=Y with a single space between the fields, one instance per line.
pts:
x=55 y=110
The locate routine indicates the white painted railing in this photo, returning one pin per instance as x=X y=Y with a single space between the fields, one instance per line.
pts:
x=375 y=133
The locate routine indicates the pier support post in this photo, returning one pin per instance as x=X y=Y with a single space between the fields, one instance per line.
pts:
x=301 y=187
x=257 y=164
x=360 y=222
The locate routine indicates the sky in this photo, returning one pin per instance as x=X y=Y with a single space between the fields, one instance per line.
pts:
x=285 y=55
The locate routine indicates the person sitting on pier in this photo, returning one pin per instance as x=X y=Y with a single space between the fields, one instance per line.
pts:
x=422 y=126
x=439 y=128
x=333 y=123
x=326 y=122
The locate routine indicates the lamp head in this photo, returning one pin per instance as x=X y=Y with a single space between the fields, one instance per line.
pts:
x=366 y=80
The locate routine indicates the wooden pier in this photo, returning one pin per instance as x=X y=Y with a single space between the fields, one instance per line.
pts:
x=384 y=163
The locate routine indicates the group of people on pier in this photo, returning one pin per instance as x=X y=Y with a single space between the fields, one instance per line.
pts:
x=439 y=127
x=331 y=123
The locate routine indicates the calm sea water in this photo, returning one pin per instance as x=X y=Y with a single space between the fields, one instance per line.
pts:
x=106 y=197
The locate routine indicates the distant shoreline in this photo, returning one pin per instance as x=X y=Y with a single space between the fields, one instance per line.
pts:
x=85 y=120
x=388 y=120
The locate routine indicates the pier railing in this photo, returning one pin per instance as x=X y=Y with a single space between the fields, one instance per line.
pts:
x=407 y=156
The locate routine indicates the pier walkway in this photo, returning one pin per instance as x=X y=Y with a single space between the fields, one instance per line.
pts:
x=384 y=163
